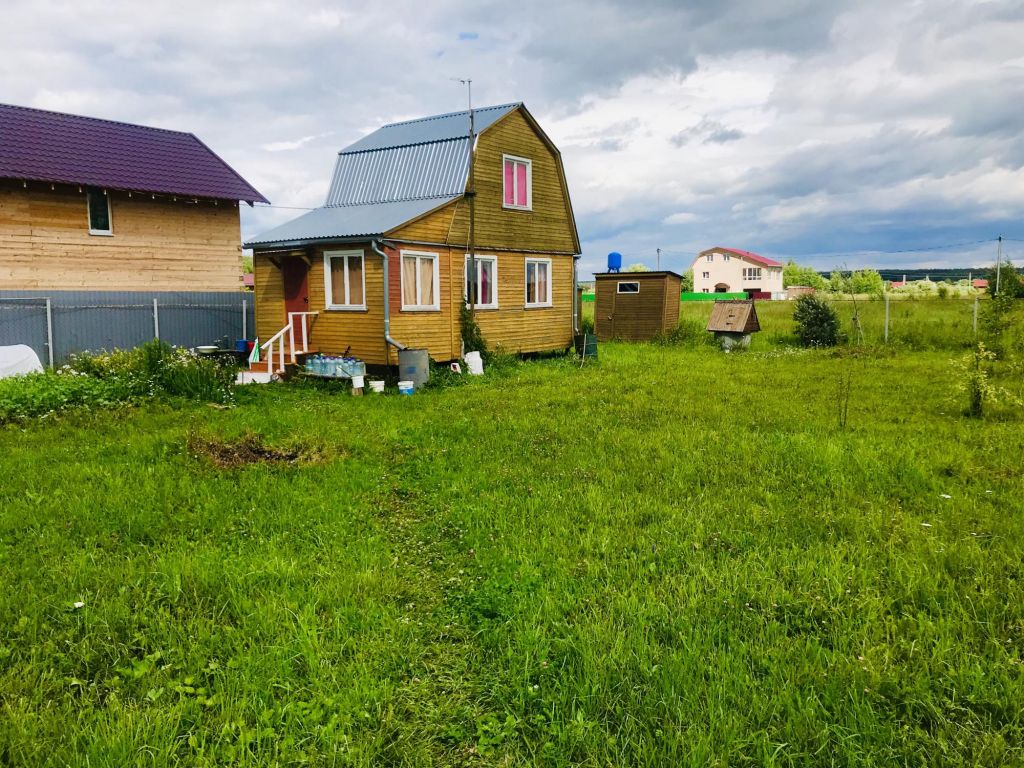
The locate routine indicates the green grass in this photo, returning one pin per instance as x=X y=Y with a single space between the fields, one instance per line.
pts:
x=674 y=557
x=917 y=324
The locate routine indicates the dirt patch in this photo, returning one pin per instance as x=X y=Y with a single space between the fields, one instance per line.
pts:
x=250 y=448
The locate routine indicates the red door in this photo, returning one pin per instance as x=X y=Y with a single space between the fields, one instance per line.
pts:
x=295 y=274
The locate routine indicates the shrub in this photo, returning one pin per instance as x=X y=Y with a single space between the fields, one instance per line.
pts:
x=472 y=337
x=587 y=325
x=816 y=321
x=974 y=380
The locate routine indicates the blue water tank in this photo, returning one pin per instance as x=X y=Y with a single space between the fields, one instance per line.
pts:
x=614 y=261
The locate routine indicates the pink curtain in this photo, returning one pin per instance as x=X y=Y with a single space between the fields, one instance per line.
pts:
x=485 y=282
x=509 y=183
x=521 y=184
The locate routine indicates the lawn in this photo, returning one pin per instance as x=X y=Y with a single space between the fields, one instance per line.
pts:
x=674 y=557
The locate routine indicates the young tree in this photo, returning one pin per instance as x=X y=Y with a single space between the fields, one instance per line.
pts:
x=687 y=286
x=817 y=323
x=866 y=281
x=794 y=274
x=1011 y=283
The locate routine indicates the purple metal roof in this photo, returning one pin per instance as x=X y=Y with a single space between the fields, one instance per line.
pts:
x=52 y=146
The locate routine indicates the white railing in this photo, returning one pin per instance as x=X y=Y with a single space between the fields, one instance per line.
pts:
x=277 y=341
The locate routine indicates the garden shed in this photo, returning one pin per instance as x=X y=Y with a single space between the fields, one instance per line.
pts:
x=635 y=306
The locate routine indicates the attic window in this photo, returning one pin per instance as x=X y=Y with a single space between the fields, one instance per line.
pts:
x=98 y=203
x=517 y=176
x=632 y=287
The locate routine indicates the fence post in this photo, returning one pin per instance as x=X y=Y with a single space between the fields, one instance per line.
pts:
x=156 y=320
x=49 y=331
x=245 y=319
x=887 y=318
x=975 y=316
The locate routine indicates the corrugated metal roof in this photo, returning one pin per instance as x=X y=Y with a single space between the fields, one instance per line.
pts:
x=57 y=147
x=398 y=172
x=453 y=125
x=410 y=172
x=341 y=221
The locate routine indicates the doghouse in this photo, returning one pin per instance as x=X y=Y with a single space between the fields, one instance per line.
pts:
x=635 y=306
x=733 y=321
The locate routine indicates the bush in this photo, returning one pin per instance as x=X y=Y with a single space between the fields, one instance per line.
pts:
x=817 y=323
x=122 y=376
x=587 y=325
x=472 y=337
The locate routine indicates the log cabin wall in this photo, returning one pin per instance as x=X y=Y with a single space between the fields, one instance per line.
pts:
x=156 y=245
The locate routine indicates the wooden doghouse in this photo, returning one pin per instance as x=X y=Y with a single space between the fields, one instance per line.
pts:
x=733 y=321
x=635 y=306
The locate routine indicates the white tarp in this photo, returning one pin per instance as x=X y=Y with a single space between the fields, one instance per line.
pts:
x=18 y=359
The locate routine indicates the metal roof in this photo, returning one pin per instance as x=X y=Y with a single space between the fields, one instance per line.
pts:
x=454 y=125
x=40 y=145
x=335 y=222
x=395 y=174
x=410 y=172
x=754 y=257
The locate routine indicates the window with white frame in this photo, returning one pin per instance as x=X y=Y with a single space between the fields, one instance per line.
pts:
x=344 y=280
x=98 y=203
x=725 y=257
x=421 y=281
x=517 y=176
x=538 y=282
x=486 y=282
x=706 y=275
x=710 y=257
x=631 y=287
x=751 y=273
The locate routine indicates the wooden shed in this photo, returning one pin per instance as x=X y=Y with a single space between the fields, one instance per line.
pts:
x=636 y=306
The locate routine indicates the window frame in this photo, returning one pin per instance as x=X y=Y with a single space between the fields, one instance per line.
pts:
x=109 y=231
x=620 y=283
x=751 y=274
x=494 y=280
x=436 y=258
x=705 y=275
x=329 y=296
x=709 y=257
x=529 y=183
x=526 y=276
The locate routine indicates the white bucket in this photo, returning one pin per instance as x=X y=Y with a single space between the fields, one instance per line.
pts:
x=405 y=388
x=377 y=386
x=474 y=363
x=357 y=382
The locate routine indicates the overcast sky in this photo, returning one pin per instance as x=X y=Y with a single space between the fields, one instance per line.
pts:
x=834 y=133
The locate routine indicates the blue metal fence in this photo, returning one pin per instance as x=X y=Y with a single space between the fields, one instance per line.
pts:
x=58 y=323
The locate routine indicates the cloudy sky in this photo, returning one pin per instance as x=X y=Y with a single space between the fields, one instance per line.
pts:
x=868 y=132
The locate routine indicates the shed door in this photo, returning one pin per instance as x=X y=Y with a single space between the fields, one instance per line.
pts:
x=295 y=274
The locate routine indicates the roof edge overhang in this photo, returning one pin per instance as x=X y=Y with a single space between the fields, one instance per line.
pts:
x=137 y=190
x=277 y=245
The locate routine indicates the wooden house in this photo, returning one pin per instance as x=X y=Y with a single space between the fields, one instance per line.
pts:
x=635 y=306
x=97 y=205
x=384 y=263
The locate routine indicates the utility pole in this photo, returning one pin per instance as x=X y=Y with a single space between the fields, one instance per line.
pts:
x=659 y=259
x=471 y=287
x=999 y=262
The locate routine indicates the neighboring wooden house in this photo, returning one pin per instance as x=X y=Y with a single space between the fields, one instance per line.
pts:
x=89 y=204
x=383 y=264
x=730 y=270
x=636 y=306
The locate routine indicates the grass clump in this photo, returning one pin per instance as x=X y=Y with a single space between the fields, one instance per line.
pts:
x=688 y=333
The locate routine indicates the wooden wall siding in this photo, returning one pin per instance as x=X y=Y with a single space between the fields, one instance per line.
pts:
x=157 y=244
x=432 y=228
x=635 y=316
x=333 y=331
x=548 y=227
x=430 y=330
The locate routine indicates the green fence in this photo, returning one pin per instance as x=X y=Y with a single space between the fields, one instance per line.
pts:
x=710 y=296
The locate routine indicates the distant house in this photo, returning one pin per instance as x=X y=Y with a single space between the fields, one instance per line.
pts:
x=89 y=204
x=979 y=284
x=384 y=263
x=730 y=270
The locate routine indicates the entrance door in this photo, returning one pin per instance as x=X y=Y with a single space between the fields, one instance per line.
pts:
x=295 y=274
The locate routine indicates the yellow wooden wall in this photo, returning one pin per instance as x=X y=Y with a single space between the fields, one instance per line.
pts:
x=157 y=245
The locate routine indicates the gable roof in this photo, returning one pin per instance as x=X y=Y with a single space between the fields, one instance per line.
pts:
x=734 y=316
x=764 y=261
x=398 y=173
x=39 y=145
